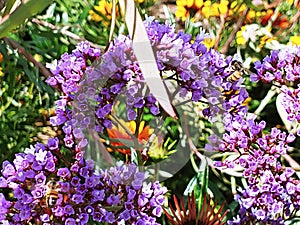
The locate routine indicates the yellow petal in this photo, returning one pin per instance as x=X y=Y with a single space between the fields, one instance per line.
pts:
x=207 y=3
x=189 y=3
x=223 y=7
x=132 y=126
x=198 y=3
x=141 y=127
x=251 y=14
x=295 y=40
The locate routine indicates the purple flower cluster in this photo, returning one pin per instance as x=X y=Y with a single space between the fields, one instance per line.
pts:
x=199 y=72
x=49 y=189
x=291 y=103
x=69 y=70
x=272 y=193
x=283 y=67
x=272 y=197
x=202 y=73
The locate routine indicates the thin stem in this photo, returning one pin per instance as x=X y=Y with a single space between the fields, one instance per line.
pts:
x=113 y=20
x=220 y=30
x=136 y=140
x=62 y=31
x=266 y=100
x=28 y=56
x=236 y=29
x=293 y=163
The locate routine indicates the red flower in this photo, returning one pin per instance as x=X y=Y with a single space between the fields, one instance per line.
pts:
x=189 y=216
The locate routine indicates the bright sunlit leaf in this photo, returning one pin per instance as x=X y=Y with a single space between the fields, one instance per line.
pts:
x=145 y=55
x=22 y=12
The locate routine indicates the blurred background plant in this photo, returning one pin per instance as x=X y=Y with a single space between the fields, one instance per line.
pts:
x=250 y=29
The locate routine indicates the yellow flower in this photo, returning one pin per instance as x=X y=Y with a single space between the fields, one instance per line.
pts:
x=103 y=9
x=187 y=8
x=198 y=4
x=242 y=8
x=210 y=10
x=295 y=40
x=209 y=42
x=264 y=40
x=223 y=6
x=182 y=13
x=251 y=14
x=160 y=150
x=207 y=3
x=240 y=40
x=233 y=4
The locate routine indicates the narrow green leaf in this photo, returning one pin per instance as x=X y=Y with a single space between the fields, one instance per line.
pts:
x=202 y=178
x=22 y=12
x=134 y=156
x=191 y=185
x=113 y=20
x=213 y=186
x=8 y=6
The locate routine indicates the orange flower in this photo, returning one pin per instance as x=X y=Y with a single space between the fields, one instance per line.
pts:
x=122 y=137
x=281 y=20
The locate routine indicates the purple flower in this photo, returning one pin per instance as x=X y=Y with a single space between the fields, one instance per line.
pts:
x=64 y=187
x=260 y=214
x=53 y=143
x=70 y=221
x=84 y=218
x=75 y=181
x=7 y=169
x=84 y=172
x=63 y=172
x=69 y=210
x=98 y=195
x=3 y=182
x=113 y=200
x=157 y=211
x=45 y=218
x=110 y=217
x=38 y=192
x=40 y=179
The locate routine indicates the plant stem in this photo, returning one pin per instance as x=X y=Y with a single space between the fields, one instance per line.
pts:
x=236 y=29
x=62 y=31
x=28 y=56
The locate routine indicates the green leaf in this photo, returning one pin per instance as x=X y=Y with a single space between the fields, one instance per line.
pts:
x=191 y=186
x=24 y=11
x=202 y=178
x=8 y=5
